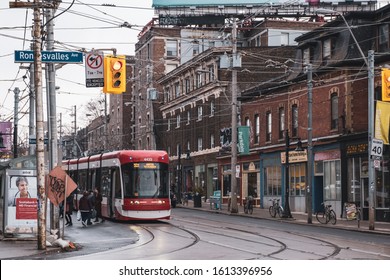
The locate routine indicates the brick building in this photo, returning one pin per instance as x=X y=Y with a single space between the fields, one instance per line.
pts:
x=339 y=120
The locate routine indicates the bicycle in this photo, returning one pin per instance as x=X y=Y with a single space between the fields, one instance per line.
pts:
x=276 y=208
x=326 y=216
x=248 y=205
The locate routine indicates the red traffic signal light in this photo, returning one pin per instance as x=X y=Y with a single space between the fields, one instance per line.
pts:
x=114 y=74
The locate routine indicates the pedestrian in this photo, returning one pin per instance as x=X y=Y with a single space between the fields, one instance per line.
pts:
x=92 y=201
x=98 y=206
x=69 y=210
x=85 y=208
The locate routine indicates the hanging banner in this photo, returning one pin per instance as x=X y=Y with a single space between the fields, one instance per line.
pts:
x=225 y=136
x=382 y=121
x=243 y=140
x=385 y=84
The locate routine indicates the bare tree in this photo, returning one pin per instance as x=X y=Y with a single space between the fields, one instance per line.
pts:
x=95 y=108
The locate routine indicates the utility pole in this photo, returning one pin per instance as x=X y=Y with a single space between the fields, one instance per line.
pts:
x=16 y=109
x=51 y=108
x=179 y=174
x=310 y=171
x=60 y=138
x=74 y=149
x=37 y=38
x=371 y=169
x=31 y=125
x=234 y=206
x=105 y=124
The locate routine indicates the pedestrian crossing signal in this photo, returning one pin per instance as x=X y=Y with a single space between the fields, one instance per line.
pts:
x=114 y=74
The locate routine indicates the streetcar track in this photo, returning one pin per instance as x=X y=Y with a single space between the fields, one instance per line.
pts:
x=283 y=246
x=194 y=237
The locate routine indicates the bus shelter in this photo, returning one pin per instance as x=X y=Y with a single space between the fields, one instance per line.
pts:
x=18 y=191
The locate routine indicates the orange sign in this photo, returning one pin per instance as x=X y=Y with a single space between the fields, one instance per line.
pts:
x=57 y=182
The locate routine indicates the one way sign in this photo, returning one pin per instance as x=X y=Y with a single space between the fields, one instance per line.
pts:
x=94 y=69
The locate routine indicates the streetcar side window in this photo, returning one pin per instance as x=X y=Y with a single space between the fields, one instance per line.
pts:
x=92 y=179
x=117 y=183
x=106 y=182
x=82 y=183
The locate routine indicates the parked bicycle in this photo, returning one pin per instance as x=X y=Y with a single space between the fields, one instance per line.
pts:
x=327 y=215
x=276 y=208
x=248 y=205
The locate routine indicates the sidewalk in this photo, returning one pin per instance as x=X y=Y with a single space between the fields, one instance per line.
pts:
x=297 y=217
x=27 y=248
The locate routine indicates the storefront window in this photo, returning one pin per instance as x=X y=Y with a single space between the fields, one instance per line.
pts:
x=383 y=185
x=226 y=180
x=332 y=180
x=297 y=179
x=273 y=183
x=354 y=188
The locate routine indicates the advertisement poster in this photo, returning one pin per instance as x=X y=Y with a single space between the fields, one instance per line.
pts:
x=351 y=211
x=22 y=205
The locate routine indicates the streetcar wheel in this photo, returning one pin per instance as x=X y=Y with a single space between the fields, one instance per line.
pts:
x=321 y=217
x=332 y=217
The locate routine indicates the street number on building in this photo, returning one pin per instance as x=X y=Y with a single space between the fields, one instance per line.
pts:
x=376 y=148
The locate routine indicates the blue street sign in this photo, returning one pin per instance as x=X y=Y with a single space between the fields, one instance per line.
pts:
x=50 y=57
x=33 y=141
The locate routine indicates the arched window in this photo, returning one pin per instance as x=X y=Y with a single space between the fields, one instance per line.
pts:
x=334 y=109
x=295 y=124
x=281 y=123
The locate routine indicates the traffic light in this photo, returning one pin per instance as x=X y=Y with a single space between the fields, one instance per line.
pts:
x=385 y=84
x=114 y=74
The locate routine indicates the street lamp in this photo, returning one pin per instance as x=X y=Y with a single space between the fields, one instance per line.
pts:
x=287 y=210
x=370 y=69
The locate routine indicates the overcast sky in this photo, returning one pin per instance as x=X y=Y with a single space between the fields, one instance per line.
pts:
x=86 y=25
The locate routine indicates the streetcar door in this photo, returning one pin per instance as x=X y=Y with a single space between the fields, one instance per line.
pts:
x=116 y=191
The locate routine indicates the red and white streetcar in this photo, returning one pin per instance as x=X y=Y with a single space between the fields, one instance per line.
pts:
x=134 y=183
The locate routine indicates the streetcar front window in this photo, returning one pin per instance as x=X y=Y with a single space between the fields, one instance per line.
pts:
x=145 y=180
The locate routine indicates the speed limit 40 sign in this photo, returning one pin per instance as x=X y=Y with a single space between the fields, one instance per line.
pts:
x=376 y=148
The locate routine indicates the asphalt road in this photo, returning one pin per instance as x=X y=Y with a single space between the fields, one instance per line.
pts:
x=198 y=235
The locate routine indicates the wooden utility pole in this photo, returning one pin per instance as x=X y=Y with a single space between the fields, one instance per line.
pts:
x=234 y=205
x=37 y=5
x=39 y=125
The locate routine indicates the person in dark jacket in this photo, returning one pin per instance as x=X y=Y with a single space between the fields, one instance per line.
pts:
x=69 y=210
x=85 y=208
x=98 y=206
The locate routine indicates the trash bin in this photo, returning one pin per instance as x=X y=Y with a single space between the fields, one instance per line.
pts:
x=197 y=200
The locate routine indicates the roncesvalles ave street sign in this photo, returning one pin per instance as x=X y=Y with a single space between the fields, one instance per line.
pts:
x=50 y=57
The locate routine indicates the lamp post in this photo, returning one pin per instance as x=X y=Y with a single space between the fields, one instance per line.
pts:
x=310 y=161
x=16 y=92
x=370 y=69
x=287 y=211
